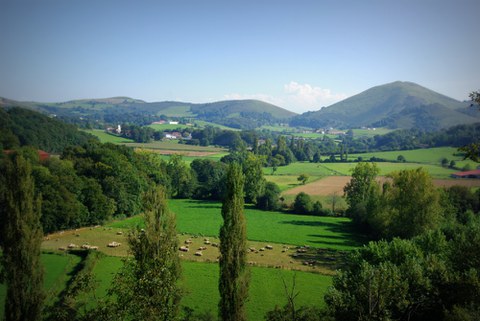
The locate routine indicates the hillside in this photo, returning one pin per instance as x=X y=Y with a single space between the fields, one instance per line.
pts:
x=243 y=114
x=395 y=105
x=19 y=127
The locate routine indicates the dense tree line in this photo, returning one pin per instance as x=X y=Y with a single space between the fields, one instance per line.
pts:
x=19 y=127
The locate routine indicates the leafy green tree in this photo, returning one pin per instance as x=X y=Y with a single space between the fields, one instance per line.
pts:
x=269 y=200
x=302 y=204
x=234 y=275
x=254 y=180
x=412 y=203
x=303 y=178
x=361 y=192
x=147 y=286
x=20 y=241
x=389 y=281
x=181 y=177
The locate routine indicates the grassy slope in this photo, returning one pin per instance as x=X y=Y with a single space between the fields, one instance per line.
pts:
x=200 y=282
x=108 y=138
x=57 y=269
x=204 y=218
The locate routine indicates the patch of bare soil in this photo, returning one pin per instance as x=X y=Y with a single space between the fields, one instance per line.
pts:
x=335 y=184
x=324 y=186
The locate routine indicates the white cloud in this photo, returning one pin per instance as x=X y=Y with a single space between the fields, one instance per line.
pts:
x=308 y=97
x=296 y=97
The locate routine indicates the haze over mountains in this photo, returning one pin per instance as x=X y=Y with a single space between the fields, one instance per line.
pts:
x=393 y=105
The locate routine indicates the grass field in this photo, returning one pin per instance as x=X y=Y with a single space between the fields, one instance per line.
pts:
x=174 y=145
x=370 y=133
x=344 y=169
x=200 y=282
x=204 y=218
x=162 y=127
x=286 y=182
x=57 y=273
x=108 y=138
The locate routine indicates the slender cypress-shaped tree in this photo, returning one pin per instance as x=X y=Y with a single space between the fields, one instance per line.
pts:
x=21 y=237
x=234 y=275
x=147 y=287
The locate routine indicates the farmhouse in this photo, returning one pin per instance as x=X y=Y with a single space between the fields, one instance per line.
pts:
x=42 y=155
x=468 y=174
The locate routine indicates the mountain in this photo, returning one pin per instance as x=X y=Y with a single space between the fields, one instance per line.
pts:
x=244 y=114
x=393 y=105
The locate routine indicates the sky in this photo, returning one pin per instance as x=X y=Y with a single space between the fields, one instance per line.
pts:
x=300 y=55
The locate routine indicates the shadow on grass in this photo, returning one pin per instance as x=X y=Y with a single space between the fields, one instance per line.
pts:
x=346 y=233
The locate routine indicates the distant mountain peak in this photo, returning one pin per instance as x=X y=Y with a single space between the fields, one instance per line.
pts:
x=399 y=104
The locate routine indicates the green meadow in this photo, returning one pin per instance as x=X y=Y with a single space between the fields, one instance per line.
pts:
x=58 y=269
x=174 y=145
x=345 y=169
x=200 y=283
x=105 y=137
x=204 y=218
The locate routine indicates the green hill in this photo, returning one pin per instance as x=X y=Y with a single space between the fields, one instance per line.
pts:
x=243 y=114
x=19 y=127
x=394 y=105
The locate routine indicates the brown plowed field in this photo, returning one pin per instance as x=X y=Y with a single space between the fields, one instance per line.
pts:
x=334 y=184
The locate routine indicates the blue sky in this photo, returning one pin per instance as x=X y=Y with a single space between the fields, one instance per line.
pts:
x=300 y=55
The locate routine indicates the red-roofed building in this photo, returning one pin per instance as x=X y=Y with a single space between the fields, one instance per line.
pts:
x=42 y=155
x=467 y=174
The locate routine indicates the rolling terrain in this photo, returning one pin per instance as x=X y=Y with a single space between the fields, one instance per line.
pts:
x=394 y=105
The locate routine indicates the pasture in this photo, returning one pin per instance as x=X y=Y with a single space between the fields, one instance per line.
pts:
x=58 y=269
x=204 y=218
x=200 y=283
x=345 y=169
x=105 y=137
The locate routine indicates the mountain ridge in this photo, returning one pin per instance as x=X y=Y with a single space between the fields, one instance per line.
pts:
x=389 y=105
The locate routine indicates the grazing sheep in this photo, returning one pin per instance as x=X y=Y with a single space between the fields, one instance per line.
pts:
x=215 y=244
x=269 y=247
x=206 y=242
x=189 y=241
x=199 y=253
x=252 y=249
x=93 y=247
x=184 y=248
x=62 y=248
x=262 y=249
x=202 y=248
x=114 y=244
x=119 y=233
x=72 y=246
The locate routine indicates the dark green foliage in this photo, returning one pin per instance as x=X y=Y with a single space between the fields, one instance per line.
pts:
x=361 y=194
x=180 y=177
x=234 y=275
x=147 y=286
x=269 y=201
x=21 y=127
x=302 y=204
x=304 y=313
x=210 y=178
x=20 y=240
x=426 y=278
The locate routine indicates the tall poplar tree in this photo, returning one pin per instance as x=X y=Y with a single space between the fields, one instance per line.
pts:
x=21 y=237
x=147 y=286
x=234 y=275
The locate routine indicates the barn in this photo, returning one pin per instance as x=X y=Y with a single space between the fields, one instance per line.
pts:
x=467 y=174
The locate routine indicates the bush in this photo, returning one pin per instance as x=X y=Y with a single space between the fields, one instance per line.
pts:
x=302 y=204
